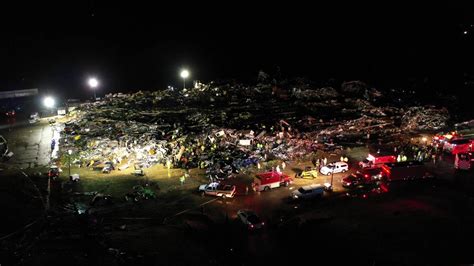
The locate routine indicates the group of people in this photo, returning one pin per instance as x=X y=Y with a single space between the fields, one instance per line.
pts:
x=319 y=163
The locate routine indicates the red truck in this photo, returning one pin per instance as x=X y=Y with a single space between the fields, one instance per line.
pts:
x=377 y=160
x=456 y=146
x=269 y=180
x=405 y=171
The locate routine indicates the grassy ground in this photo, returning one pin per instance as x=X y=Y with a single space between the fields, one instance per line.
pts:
x=118 y=183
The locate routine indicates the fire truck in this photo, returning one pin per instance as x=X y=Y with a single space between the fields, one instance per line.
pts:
x=269 y=180
x=456 y=146
x=464 y=161
x=405 y=171
x=377 y=160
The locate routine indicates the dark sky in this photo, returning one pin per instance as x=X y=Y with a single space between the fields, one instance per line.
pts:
x=56 y=46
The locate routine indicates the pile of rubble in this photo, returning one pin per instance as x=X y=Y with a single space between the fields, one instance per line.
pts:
x=231 y=126
x=316 y=94
x=425 y=118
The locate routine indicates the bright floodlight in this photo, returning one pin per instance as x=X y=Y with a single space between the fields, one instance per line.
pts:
x=184 y=74
x=93 y=82
x=49 y=102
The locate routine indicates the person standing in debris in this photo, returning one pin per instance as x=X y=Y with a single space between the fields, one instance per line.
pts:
x=283 y=165
x=53 y=144
x=246 y=190
x=341 y=159
x=278 y=169
x=314 y=161
x=325 y=161
x=182 y=179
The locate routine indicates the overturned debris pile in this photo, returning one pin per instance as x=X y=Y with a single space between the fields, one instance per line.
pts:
x=226 y=126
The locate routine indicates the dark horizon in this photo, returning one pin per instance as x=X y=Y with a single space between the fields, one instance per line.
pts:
x=56 y=47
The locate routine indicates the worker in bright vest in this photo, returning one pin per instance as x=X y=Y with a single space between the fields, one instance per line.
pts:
x=404 y=158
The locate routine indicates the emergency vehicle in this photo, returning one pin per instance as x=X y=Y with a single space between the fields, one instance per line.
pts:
x=269 y=180
x=377 y=160
x=456 y=146
x=441 y=138
x=405 y=171
x=464 y=161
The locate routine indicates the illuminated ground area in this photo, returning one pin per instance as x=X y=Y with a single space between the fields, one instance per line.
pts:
x=180 y=226
x=400 y=227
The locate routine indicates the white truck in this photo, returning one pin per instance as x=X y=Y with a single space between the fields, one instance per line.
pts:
x=338 y=167
x=218 y=190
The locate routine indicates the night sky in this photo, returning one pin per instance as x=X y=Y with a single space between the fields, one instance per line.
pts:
x=56 y=46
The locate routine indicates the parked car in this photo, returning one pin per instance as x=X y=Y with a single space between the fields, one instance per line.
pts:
x=353 y=180
x=365 y=176
x=338 y=167
x=250 y=219
x=309 y=172
x=307 y=192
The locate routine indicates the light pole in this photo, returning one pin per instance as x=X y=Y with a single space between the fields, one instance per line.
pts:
x=184 y=75
x=69 y=159
x=93 y=83
x=49 y=102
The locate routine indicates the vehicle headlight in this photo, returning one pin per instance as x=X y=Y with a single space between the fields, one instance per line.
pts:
x=295 y=196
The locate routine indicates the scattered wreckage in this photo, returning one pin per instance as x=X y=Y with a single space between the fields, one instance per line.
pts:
x=226 y=127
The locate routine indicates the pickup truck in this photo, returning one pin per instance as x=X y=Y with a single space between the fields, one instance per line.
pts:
x=218 y=190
